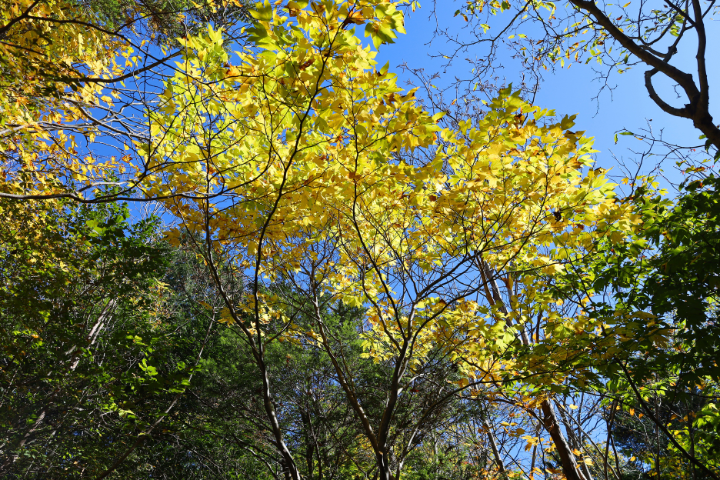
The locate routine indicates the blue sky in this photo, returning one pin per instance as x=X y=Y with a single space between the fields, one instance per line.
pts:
x=567 y=91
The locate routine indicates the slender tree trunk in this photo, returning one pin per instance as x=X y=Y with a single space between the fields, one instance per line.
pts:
x=496 y=452
x=575 y=442
x=567 y=458
x=309 y=443
x=289 y=466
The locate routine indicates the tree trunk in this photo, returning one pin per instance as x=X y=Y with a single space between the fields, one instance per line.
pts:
x=575 y=441
x=496 y=452
x=383 y=463
x=567 y=458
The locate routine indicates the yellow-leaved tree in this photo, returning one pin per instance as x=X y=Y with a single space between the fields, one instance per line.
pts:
x=297 y=161
x=55 y=63
x=75 y=82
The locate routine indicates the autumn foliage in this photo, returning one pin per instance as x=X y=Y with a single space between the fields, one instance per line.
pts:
x=448 y=276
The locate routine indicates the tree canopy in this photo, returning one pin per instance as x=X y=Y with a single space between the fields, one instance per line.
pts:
x=234 y=246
